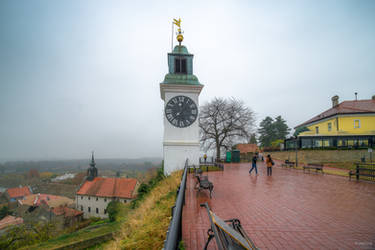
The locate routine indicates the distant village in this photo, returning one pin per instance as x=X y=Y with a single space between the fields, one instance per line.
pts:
x=92 y=197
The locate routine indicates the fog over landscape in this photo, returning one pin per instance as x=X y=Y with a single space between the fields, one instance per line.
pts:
x=77 y=76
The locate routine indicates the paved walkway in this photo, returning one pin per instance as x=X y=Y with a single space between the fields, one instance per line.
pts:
x=290 y=210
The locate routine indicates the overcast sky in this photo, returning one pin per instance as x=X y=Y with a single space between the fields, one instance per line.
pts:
x=77 y=76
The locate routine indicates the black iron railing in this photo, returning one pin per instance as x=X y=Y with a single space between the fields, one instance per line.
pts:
x=364 y=171
x=204 y=164
x=174 y=232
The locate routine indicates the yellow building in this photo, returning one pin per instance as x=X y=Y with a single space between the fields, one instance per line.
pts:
x=349 y=124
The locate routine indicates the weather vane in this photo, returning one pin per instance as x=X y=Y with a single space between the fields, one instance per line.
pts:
x=180 y=37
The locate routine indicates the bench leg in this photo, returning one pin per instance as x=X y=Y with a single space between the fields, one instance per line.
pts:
x=210 y=236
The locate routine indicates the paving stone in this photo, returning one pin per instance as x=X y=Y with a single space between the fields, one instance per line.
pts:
x=289 y=210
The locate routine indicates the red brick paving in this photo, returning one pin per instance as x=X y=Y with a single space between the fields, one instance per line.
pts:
x=290 y=210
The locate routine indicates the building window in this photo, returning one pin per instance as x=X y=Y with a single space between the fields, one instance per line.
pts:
x=124 y=201
x=316 y=130
x=81 y=208
x=329 y=126
x=97 y=198
x=105 y=211
x=180 y=66
x=97 y=210
x=89 y=197
x=357 y=123
x=105 y=199
x=89 y=209
x=81 y=197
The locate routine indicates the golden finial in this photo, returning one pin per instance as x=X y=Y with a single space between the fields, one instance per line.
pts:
x=180 y=37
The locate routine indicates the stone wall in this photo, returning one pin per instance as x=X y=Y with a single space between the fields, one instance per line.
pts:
x=322 y=156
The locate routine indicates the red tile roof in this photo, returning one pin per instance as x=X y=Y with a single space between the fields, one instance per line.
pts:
x=48 y=199
x=346 y=107
x=109 y=187
x=66 y=211
x=18 y=192
x=246 y=148
x=9 y=221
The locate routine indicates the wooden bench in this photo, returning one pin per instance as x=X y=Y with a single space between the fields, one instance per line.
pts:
x=228 y=234
x=204 y=183
x=317 y=167
x=363 y=170
x=288 y=164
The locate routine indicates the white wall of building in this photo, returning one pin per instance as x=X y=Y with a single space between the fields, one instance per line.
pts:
x=84 y=202
x=180 y=143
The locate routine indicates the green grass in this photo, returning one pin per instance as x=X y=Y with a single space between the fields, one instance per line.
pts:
x=145 y=227
x=205 y=168
x=89 y=232
x=328 y=171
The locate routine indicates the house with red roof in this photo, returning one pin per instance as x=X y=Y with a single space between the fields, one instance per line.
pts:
x=10 y=221
x=13 y=194
x=48 y=208
x=94 y=195
x=245 y=148
x=349 y=124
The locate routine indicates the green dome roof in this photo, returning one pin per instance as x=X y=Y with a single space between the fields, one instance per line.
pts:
x=180 y=49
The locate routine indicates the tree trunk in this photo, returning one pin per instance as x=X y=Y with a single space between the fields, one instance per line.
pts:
x=217 y=152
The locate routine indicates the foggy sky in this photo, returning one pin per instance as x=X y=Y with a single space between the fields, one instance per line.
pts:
x=77 y=76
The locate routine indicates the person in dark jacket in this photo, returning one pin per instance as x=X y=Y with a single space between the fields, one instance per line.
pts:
x=254 y=165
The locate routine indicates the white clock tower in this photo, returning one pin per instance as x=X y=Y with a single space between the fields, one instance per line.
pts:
x=180 y=91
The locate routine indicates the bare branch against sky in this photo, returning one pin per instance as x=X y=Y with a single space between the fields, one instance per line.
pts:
x=77 y=76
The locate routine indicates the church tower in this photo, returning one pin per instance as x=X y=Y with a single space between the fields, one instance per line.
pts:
x=180 y=92
x=92 y=172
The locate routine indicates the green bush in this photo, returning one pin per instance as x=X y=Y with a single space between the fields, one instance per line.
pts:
x=4 y=211
x=113 y=209
x=144 y=188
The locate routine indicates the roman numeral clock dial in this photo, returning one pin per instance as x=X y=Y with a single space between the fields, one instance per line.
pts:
x=181 y=111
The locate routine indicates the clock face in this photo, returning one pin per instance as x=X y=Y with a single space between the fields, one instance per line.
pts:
x=181 y=111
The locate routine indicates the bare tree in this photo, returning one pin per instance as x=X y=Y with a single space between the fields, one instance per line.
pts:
x=224 y=122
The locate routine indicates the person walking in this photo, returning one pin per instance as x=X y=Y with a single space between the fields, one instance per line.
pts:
x=254 y=165
x=261 y=156
x=269 y=163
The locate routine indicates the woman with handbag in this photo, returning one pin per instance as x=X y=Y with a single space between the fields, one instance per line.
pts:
x=269 y=163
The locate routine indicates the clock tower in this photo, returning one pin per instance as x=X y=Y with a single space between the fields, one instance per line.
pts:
x=180 y=92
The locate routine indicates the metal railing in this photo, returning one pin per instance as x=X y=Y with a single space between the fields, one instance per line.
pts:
x=204 y=164
x=174 y=232
x=364 y=171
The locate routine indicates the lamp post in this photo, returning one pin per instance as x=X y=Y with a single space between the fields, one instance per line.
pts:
x=296 y=145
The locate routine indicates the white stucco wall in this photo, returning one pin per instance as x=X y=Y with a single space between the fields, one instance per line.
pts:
x=84 y=201
x=175 y=156
x=180 y=143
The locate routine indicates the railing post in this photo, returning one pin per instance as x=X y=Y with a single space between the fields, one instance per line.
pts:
x=357 y=172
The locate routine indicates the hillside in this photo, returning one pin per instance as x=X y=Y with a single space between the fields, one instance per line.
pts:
x=144 y=227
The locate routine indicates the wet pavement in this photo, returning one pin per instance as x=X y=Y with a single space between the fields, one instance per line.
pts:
x=289 y=210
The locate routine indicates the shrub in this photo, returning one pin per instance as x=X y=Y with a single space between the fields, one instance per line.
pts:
x=113 y=209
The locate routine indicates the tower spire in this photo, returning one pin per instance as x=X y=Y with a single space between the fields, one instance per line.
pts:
x=92 y=172
x=92 y=159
